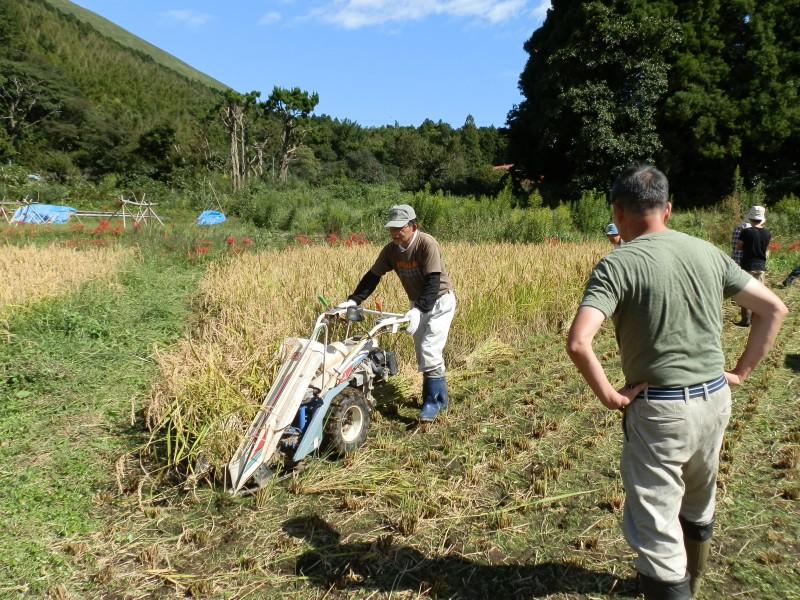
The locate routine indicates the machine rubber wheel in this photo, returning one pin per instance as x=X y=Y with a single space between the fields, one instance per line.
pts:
x=348 y=421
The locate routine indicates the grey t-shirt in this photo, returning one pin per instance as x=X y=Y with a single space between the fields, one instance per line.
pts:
x=422 y=257
x=664 y=292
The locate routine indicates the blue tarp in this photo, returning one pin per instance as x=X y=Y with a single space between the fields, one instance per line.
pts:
x=210 y=217
x=42 y=213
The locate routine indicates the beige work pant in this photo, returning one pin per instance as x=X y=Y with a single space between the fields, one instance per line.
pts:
x=670 y=459
x=431 y=335
x=748 y=314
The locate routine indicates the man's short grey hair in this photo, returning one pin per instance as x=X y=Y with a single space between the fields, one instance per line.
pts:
x=641 y=188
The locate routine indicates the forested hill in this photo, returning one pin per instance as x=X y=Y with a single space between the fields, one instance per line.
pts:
x=82 y=99
x=133 y=42
x=81 y=94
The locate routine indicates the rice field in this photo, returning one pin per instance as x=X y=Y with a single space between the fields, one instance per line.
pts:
x=513 y=493
x=33 y=273
x=211 y=385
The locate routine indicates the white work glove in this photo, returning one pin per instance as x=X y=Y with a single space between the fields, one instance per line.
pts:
x=413 y=317
x=345 y=305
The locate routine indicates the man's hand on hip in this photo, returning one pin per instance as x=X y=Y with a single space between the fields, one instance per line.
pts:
x=619 y=399
x=733 y=379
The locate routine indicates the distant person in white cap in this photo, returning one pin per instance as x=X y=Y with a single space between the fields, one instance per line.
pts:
x=754 y=246
x=613 y=235
x=417 y=259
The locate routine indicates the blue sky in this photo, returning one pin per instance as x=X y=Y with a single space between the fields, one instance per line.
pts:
x=371 y=61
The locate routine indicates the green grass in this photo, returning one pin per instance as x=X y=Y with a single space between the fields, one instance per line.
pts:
x=514 y=494
x=69 y=373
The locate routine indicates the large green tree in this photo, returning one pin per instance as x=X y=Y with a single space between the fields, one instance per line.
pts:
x=596 y=74
x=697 y=86
x=733 y=98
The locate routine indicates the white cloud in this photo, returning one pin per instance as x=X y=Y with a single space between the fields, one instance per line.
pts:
x=503 y=11
x=353 y=14
x=539 y=11
x=188 y=17
x=270 y=18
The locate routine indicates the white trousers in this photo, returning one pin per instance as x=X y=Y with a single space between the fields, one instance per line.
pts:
x=431 y=335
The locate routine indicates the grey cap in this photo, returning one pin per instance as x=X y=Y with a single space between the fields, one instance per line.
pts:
x=400 y=215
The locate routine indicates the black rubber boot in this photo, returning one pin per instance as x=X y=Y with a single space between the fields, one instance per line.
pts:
x=791 y=277
x=653 y=589
x=696 y=561
x=697 y=542
x=745 y=320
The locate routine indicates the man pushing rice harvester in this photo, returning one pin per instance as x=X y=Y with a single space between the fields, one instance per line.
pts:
x=324 y=389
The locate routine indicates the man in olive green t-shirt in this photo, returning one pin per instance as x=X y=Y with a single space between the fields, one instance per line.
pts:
x=664 y=291
x=416 y=258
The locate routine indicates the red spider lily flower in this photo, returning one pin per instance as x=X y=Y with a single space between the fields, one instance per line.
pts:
x=332 y=239
x=303 y=240
x=247 y=242
x=774 y=246
x=794 y=246
x=356 y=239
x=230 y=240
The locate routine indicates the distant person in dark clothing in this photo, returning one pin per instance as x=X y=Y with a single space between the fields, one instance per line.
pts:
x=754 y=244
x=795 y=274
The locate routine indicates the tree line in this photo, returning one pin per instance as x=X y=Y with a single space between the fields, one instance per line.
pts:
x=699 y=87
x=75 y=103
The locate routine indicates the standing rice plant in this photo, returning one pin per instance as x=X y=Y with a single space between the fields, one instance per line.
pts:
x=211 y=385
x=32 y=273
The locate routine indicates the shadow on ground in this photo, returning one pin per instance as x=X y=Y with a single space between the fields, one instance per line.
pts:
x=793 y=362
x=383 y=566
x=389 y=400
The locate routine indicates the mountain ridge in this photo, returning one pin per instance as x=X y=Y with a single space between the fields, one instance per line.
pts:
x=129 y=40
